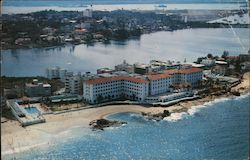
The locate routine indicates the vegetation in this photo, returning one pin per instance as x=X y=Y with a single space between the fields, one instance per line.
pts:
x=19 y=82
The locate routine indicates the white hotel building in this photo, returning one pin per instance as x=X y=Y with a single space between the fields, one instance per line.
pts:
x=140 y=87
x=133 y=88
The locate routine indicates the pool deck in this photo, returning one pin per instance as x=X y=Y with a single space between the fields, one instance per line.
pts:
x=28 y=118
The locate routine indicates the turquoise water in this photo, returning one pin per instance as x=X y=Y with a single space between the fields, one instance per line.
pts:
x=32 y=110
x=218 y=130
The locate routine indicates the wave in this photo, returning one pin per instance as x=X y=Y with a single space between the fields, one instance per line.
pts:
x=174 y=117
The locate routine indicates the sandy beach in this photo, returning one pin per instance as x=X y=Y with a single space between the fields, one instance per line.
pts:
x=16 y=138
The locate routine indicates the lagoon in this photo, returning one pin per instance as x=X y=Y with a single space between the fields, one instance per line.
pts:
x=178 y=45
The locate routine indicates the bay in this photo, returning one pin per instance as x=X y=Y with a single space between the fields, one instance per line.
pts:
x=176 y=46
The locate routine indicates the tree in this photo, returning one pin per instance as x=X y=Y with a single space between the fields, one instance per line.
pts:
x=99 y=98
x=133 y=97
x=209 y=55
x=109 y=97
x=225 y=54
x=199 y=59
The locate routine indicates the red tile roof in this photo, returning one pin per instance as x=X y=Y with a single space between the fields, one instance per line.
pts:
x=110 y=79
x=152 y=77
x=167 y=73
x=183 y=70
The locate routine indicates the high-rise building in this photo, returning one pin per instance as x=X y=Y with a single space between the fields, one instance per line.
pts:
x=56 y=73
x=73 y=84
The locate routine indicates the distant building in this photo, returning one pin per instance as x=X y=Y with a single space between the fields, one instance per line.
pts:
x=36 y=89
x=56 y=73
x=245 y=66
x=23 y=41
x=141 y=68
x=220 y=67
x=73 y=84
x=244 y=57
x=208 y=62
x=124 y=67
x=104 y=70
x=85 y=25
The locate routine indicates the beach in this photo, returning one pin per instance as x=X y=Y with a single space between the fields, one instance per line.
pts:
x=16 y=138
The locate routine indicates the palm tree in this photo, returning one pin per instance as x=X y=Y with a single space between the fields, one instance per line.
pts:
x=99 y=98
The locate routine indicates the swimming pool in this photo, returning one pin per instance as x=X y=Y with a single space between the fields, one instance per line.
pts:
x=32 y=110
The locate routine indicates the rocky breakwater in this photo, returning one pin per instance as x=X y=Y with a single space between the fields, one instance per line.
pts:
x=157 y=117
x=100 y=124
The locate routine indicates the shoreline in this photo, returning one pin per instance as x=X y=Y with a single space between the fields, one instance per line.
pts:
x=15 y=47
x=17 y=139
x=13 y=140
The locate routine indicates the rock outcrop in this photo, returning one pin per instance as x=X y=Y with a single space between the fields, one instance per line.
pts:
x=100 y=124
x=158 y=116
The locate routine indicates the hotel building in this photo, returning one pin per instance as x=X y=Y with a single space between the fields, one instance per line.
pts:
x=139 y=87
x=133 y=88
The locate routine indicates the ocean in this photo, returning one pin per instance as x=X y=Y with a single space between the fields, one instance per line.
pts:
x=217 y=130
x=27 y=6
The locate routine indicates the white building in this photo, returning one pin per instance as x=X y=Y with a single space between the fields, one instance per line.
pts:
x=159 y=83
x=139 y=87
x=190 y=76
x=73 y=84
x=56 y=73
x=107 y=88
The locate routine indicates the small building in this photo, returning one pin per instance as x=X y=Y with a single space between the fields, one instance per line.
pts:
x=104 y=70
x=36 y=89
x=208 y=62
x=125 y=67
x=141 y=68
x=220 y=67
x=23 y=41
